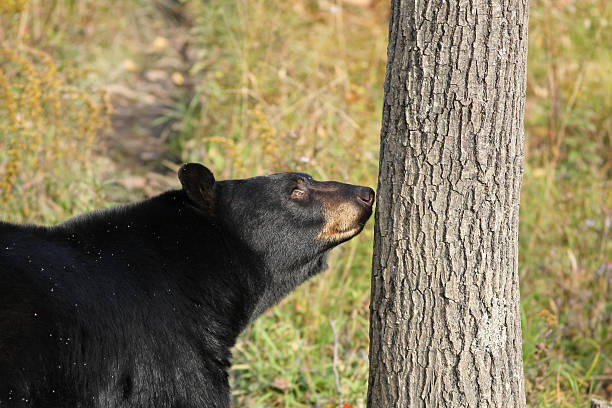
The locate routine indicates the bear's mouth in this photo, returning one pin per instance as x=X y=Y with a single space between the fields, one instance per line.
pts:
x=338 y=236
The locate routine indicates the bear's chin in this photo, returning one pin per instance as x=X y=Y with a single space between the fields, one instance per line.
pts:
x=338 y=237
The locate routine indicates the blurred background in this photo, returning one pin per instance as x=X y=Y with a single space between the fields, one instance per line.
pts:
x=100 y=101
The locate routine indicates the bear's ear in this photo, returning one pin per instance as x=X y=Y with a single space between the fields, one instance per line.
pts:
x=198 y=183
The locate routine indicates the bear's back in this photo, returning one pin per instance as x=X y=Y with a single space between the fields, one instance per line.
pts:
x=104 y=294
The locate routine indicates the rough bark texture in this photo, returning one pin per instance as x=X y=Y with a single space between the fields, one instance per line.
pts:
x=597 y=403
x=445 y=323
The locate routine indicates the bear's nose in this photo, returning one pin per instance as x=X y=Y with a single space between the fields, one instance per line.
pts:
x=366 y=196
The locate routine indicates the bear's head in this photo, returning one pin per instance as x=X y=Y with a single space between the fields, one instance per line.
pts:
x=288 y=220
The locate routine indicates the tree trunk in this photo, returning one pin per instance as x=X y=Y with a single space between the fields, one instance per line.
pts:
x=597 y=403
x=445 y=325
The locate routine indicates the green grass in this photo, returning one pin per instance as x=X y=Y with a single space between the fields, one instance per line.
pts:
x=298 y=85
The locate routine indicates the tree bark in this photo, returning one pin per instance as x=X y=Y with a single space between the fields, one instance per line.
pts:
x=445 y=325
x=597 y=403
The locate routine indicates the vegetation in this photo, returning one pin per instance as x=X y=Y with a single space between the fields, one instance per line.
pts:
x=271 y=86
x=49 y=122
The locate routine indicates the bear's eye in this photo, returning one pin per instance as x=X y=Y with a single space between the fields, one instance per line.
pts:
x=298 y=194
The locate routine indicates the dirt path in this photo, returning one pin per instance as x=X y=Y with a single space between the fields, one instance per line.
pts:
x=144 y=100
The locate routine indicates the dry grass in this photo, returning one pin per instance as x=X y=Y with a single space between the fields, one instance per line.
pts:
x=298 y=85
x=566 y=206
x=49 y=128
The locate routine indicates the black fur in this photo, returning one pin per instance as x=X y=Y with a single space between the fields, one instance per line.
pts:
x=139 y=305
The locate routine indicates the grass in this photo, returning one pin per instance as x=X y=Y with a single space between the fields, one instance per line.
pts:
x=298 y=85
x=48 y=126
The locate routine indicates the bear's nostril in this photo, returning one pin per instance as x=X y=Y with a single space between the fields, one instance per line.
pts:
x=366 y=196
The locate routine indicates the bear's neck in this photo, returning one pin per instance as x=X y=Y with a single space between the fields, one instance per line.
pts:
x=279 y=283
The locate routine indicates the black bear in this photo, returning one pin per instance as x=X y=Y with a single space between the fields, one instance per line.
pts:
x=139 y=305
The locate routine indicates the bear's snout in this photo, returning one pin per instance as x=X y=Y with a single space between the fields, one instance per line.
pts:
x=346 y=209
x=366 y=196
